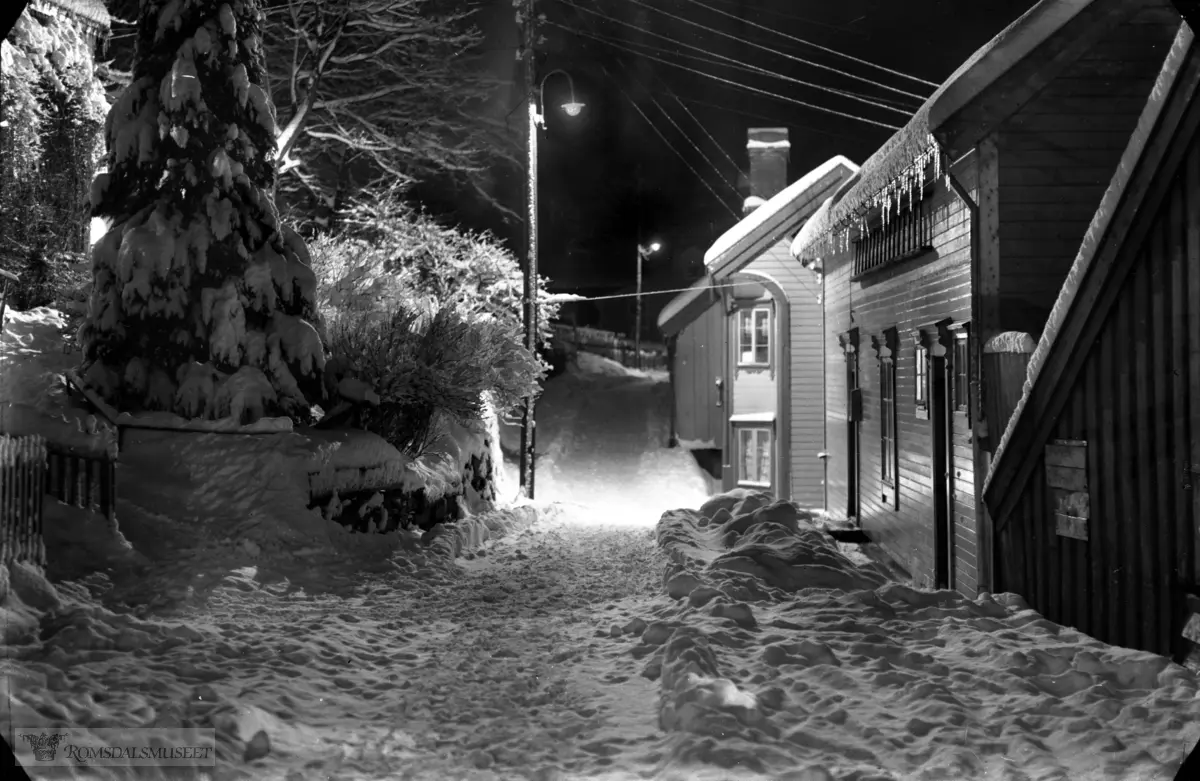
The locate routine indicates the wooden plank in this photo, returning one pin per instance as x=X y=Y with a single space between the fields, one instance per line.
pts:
x=1097 y=555
x=1163 y=422
x=1184 y=374
x=1192 y=263
x=1143 y=412
x=1076 y=503
x=1073 y=456
x=1127 y=440
x=1066 y=477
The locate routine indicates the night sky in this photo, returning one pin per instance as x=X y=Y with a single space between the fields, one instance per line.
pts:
x=608 y=178
x=659 y=152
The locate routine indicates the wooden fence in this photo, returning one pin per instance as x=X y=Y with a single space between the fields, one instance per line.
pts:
x=85 y=480
x=22 y=486
x=613 y=346
x=32 y=468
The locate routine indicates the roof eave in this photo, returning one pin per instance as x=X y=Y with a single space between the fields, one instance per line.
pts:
x=954 y=115
x=687 y=307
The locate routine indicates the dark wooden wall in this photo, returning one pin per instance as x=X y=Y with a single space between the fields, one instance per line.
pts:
x=907 y=296
x=805 y=345
x=1137 y=405
x=1057 y=155
x=698 y=362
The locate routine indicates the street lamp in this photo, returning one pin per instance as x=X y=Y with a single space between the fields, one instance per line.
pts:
x=572 y=108
x=643 y=252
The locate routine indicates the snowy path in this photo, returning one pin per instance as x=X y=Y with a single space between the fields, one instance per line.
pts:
x=602 y=441
x=506 y=668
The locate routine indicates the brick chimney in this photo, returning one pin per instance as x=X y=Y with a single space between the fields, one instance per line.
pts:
x=767 y=148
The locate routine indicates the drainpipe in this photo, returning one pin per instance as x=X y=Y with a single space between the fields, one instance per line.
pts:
x=979 y=423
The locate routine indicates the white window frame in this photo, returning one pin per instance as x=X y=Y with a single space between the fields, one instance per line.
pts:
x=921 y=381
x=755 y=434
x=752 y=314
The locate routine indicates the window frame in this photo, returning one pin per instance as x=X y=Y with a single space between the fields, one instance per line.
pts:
x=751 y=311
x=921 y=380
x=960 y=375
x=756 y=431
x=889 y=451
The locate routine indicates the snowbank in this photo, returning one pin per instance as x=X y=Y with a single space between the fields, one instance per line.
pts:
x=781 y=654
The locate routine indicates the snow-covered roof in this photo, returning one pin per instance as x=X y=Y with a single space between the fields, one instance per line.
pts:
x=905 y=154
x=93 y=11
x=684 y=308
x=769 y=222
x=1095 y=237
x=815 y=223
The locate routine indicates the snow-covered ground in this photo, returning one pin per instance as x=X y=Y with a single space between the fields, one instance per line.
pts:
x=602 y=435
x=735 y=641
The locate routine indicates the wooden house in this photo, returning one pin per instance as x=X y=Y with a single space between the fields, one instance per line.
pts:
x=947 y=254
x=746 y=339
x=1094 y=490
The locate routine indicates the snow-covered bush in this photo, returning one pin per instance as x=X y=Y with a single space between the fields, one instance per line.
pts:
x=426 y=367
x=390 y=255
x=203 y=304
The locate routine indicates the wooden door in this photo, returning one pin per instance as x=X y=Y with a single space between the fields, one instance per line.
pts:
x=942 y=430
x=853 y=433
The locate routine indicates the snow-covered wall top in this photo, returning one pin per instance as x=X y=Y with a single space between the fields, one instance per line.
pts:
x=898 y=167
x=780 y=207
x=1010 y=342
x=1096 y=233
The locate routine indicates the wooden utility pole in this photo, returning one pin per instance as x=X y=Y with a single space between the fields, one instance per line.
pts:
x=527 y=20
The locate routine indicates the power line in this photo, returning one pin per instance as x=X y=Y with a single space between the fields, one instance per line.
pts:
x=667 y=141
x=806 y=19
x=682 y=132
x=776 y=51
x=736 y=63
x=739 y=85
x=888 y=103
x=700 y=124
x=735 y=110
x=814 y=45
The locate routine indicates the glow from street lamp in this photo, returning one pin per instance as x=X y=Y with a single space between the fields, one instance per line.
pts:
x=573 y=108
x=655 y=246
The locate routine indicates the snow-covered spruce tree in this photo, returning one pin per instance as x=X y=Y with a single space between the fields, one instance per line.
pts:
x=204 y=304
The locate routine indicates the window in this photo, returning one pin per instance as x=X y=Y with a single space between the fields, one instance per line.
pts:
x=906 y=235
x=754 y=455
x=886 y=346
x=960 y=374
x=887 y=421
x=921 y=384
x=754 y=336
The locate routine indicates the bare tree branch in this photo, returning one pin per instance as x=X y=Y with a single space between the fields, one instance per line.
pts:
x=395 y=81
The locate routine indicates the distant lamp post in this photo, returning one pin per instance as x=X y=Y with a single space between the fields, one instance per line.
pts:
x=571 y=108
x=643 y=252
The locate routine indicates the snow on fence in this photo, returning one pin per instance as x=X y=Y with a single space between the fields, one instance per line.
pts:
x=22 y=485
x=612 y=346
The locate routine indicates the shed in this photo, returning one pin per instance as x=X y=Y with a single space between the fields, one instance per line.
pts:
x=1094 y=490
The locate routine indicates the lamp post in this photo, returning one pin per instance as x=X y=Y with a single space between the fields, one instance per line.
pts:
x=572 y=108
x=643 y=252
